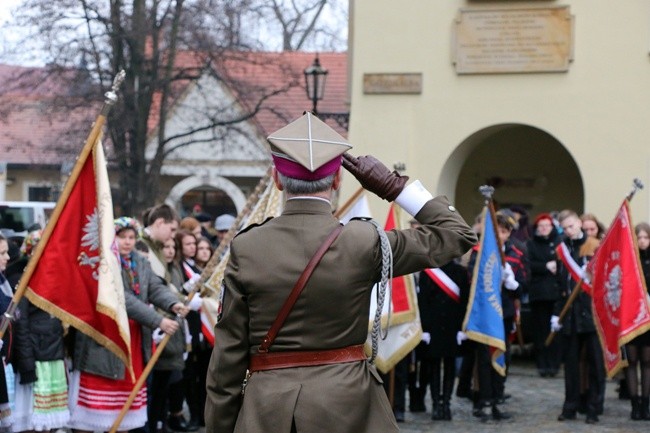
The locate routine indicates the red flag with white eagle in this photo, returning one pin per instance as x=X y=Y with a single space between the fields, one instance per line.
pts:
x=619 y=293
x=76 y=274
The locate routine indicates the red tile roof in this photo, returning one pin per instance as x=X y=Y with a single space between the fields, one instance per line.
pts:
x=267 y=72
x=43 y=121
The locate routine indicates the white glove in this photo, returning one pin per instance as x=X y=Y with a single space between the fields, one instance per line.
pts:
x=555 y=324
x=460 y=337
x=189 y=284
x=157 y=335
x=426 y=337
x=552 y=266
x=584 y=274
x=509 y=281
x=195 y=303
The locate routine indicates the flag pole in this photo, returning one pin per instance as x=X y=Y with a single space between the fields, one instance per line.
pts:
x=487 y=192
x=574 y=294
x=636 y=185
x=93 y=137
x=140 y=382
x=343 y=209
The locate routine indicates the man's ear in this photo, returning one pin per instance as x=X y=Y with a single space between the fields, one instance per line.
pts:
x=337 y=180
x=276 y=179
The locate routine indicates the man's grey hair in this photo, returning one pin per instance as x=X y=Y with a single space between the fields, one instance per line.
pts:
x=299 y=186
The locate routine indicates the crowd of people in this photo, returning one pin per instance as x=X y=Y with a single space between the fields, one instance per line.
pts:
x=57 y=377
x=536 y=276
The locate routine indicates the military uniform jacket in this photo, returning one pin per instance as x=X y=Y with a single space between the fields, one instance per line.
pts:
x=332 y=312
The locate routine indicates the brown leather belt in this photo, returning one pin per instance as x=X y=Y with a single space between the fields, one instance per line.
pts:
x=278 y=360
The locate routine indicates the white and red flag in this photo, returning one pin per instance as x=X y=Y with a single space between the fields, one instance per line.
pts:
x=445 y=283
x=404 y=303
x=574 y=269
x=619 y=294
x=76 y=274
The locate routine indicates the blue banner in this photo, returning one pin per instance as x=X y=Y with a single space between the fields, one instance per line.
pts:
x=484 y=318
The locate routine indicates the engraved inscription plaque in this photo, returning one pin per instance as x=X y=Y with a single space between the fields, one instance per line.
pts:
x=492 y=41
x=392 y=83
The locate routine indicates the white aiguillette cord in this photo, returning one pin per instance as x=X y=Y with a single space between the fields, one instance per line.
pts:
x=384 y=284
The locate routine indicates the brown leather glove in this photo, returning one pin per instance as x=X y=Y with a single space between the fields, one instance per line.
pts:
x=374 y=176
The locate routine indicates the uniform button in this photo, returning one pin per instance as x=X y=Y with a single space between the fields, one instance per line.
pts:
x=451 y=208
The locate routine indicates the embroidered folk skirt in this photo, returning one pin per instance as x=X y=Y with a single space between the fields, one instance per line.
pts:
x=96 y=401
x=42 y=405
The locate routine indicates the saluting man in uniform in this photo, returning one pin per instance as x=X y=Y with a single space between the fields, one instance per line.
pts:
x=314 y=376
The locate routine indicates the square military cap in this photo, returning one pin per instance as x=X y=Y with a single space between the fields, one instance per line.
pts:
x=307 y=148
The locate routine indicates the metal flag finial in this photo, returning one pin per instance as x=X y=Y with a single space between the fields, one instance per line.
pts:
x=111 y=95
x=486 y=191
x=636 y=185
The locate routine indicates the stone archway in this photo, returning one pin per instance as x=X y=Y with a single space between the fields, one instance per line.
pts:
x=176 y=193
x=526 y=165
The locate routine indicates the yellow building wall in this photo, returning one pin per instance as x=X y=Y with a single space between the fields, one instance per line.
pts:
x=599 y=109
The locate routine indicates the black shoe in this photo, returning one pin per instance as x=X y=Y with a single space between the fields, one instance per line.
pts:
x=502 y=398
x=481 y=414
x=178 y=424
x=566 y=416
x=446 y=412
x=497 y=415
x=399 y=416
x=591 y=419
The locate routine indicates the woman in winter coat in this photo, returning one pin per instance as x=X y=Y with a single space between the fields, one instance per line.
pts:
x=100 y=383
x=41 y=388
x=543 y=291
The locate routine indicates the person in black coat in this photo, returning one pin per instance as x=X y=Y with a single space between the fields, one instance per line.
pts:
x=577 y=330
x=442 y=318
x=638 y=350
x=515 y=274
x=543 y=291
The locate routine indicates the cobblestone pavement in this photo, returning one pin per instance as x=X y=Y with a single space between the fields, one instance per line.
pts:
x=535 y=404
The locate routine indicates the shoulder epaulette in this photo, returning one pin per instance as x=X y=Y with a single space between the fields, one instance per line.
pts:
x=252 y=226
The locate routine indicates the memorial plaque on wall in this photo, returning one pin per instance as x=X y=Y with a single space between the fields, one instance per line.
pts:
x=392 y=83
x=494 y=41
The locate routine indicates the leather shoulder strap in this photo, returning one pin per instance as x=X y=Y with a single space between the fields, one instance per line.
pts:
x=297 y=289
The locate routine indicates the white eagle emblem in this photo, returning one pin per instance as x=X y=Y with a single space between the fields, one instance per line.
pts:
x=90 y=239
x=613 y=286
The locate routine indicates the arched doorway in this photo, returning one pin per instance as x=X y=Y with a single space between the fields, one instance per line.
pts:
x=216 y=196
x=527 y=166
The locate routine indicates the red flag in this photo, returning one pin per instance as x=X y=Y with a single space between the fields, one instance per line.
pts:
x=77 y=277
x=404 y=303
x=619 y=295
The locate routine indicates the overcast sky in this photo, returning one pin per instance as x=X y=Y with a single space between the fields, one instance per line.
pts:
x=5 y=9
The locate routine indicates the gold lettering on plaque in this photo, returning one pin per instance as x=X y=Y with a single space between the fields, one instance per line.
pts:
x=392 y=83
